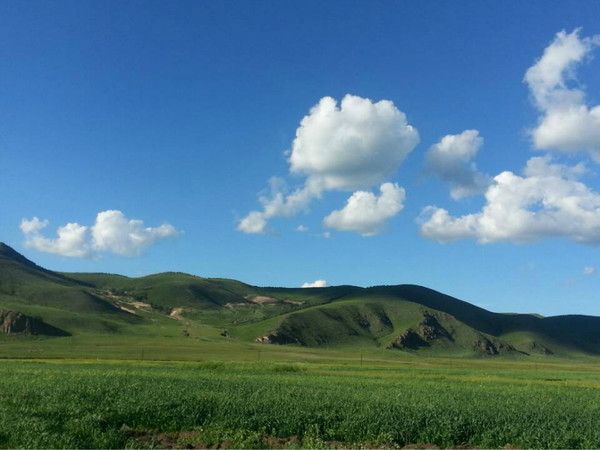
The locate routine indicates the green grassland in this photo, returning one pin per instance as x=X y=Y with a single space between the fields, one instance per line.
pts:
x=176 y=360
x=313 y=399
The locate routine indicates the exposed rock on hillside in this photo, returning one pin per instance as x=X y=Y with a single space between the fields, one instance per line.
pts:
x=410 y=339
x=277 y=337
x=486 y=346
x=428 y=330
x=13 y=322
x=536 y=347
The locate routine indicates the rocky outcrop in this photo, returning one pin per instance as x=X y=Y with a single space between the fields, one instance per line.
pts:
x=277 y=337
x=428 y=330
x=486 y=346
x=410 y=339
x=536 y=347
x=16 y=323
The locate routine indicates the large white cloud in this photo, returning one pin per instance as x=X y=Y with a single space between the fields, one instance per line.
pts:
x=451 y=159
x=112 y=232
x=548 y=200
x=566 y=123
x=357 y=144
x=365 y=212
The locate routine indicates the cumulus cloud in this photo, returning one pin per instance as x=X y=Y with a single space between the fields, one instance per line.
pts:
x=112 y=232
x=315 y=284
x=365 y=212
x=351 y=146
x=451 y=160
x=33 y=226
x=589 y=270
x=71 y=239
x=548 y=200
x=357 y=144
x=301 y=228
x=567 y=123
x=277 y=203
x=254 y=223
x=115 y=233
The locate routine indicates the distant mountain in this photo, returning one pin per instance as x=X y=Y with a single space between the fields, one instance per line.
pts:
x=406 y=318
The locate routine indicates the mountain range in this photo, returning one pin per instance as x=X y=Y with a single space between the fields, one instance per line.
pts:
x=39 y=303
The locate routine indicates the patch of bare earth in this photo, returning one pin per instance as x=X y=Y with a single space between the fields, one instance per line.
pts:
x=177 y=313
x=125 y=302
x=292 y=302
x=263 y=300
x=194 y=439
x=235 y=305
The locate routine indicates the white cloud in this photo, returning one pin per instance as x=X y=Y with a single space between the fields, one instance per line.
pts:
x=32 y=226
x=277 y=203
x=301 y=228
x=365 y=212
x=566 y=124
x=589 y=270
x=115 y=233
x=71 y=239
x=112 y=233
x=548 y=200
x=357 y=144
x=351 y=146
x=315 y=284
x=254 y=223
x=451 y=160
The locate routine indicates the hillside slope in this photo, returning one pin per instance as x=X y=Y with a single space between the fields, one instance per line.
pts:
x=405 y=318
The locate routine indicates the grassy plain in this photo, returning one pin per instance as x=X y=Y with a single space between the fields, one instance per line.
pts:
x=247 y=395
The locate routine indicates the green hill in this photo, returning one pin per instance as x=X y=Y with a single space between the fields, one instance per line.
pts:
x=403 y=318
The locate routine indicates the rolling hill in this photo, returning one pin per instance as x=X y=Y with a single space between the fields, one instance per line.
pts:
x=401 y=318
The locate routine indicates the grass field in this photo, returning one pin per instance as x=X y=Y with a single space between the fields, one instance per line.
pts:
x=283 y=397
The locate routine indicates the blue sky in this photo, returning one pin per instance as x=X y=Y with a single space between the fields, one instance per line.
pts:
x=179 y=113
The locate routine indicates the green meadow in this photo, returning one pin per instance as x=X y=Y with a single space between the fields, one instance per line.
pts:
x=252 y=396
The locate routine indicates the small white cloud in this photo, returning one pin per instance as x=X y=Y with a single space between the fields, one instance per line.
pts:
x=277 y=203
x=253 y=223
x=32 y=226
x=112 y=233
x=589 y=270
x=548 y=200
x=365 y=212
x=301 y=229
x=451 y=160
x=566 y=123
x=357 y=144
x=315 y=284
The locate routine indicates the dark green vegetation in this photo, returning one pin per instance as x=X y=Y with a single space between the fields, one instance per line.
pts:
x=174 y=360
x=404 y=318
x=409 y=401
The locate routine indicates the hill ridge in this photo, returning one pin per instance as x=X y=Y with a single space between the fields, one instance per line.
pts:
x=342 y=315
